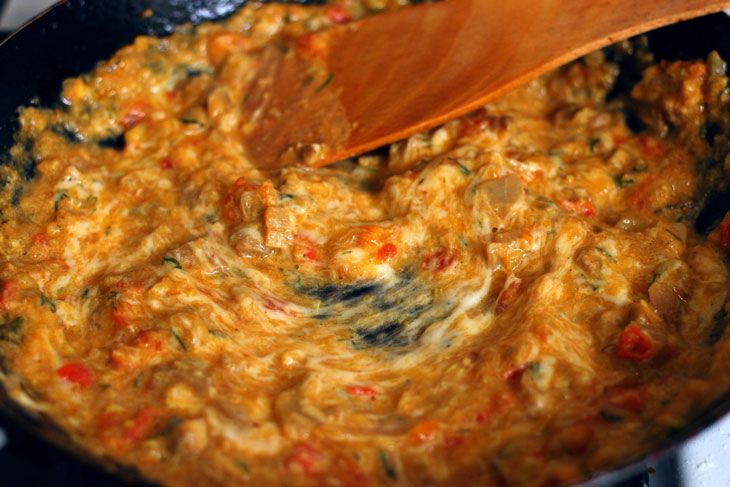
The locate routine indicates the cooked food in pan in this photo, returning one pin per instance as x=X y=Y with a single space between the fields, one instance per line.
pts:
x=517 y=297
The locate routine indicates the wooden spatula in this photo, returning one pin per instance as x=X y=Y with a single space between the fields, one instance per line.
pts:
x=368 y=83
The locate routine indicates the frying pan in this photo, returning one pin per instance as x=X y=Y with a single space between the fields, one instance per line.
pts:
x=73 y=36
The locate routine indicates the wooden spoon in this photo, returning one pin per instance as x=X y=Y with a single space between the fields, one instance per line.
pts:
x=365 y=84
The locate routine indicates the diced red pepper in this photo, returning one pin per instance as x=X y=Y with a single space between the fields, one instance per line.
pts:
x=387 y=252
x=304 y=459
x=143 y=426
x=580 y=207
x=40 y=239
x=7 y=290
x=76 y=373
x=120 y=317
x=438 y=260
x=513 y=374
x=311 y=254
x=166 y=163
x=134 y=113
x=337 y=14
x=634 y=344
x=362 y=391
x=273 y=304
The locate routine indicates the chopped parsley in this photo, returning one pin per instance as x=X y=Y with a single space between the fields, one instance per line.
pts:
x=464 y=170
x=178 y=339
x=243 y=466
x=387 y=467
x=607 y=254
x=622 y=183
x=192 y=121
x=592 y=144
x=217 y=333
x=286 y=196
x=172 y=261
x=61 y=196
x=326 y=82
x=51 y=303
x=85 y=294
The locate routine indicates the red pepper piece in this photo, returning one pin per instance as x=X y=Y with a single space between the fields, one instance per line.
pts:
x=387 y=252
x=361 y=391
x=7 y=290
x=76 y=373
x=143 y=425
x=581 y=207
x=337 y=14
x=634 y=344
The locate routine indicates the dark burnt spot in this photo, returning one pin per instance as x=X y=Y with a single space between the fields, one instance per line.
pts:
x=28 y=169
x=332 y=293
x=115 y=142
x=387 y=314
x=385 y=335
x=71 y=136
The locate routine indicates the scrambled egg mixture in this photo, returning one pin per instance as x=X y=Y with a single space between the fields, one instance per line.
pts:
x=517 y=297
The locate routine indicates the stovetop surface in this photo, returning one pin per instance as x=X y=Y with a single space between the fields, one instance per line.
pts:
x=29 y=462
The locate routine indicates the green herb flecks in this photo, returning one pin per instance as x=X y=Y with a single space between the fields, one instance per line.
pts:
x=464 y=170
x=217 y=334
x=387 y=467
x=169 y=428
x=592 y=144
x=653 y=278
x=58 y=199
x=51 y=303
x=178 y=339
x=543 y=199
x=137 y=382
x=192 y=121
x=607 y=254
x=285 y=196
x=10 y=331
x=171 y=260
x=113 y=296
x=622 y=183
x=673 y=234
x=243 y=466
x=326 y=82
x=245 y=98
x=463 y=241
x=420 y=165
x=85 y=294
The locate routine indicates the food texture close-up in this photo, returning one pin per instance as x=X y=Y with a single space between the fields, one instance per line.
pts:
x=531 y=294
